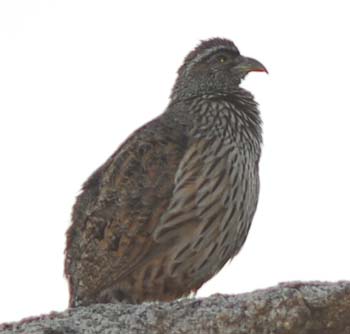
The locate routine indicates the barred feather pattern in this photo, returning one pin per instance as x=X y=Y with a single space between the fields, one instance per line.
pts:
x=216 y=186
x=163 y=233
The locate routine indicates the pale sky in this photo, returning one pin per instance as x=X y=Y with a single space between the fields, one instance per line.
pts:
x=78 y=76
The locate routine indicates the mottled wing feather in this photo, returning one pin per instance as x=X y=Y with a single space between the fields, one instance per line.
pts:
x=120 y=205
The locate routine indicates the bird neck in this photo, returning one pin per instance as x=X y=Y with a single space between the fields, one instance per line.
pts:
x=238 y=110
x=189 y=87
x=234 y=114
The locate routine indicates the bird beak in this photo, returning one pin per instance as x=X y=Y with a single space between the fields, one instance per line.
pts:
x=247 y=65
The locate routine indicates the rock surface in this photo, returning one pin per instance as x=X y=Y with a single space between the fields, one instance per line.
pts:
x=293 y=307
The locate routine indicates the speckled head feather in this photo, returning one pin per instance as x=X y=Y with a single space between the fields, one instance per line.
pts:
x=215 y=66
x=205 y=48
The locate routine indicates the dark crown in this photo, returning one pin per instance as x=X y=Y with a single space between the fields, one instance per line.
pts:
x=205 y=48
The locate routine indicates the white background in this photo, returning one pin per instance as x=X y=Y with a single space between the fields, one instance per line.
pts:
x=76 y=77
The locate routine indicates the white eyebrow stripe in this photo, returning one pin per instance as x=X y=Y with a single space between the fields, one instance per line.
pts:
x=204 y=54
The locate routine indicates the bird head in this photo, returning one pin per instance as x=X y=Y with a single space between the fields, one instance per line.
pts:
x=215 y=66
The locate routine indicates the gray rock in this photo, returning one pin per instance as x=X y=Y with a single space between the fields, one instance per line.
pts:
x=293 y=307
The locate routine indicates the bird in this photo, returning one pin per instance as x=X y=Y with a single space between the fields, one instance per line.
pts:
x=174 y=203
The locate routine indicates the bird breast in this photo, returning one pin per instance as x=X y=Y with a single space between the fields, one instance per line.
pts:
x=215 y=194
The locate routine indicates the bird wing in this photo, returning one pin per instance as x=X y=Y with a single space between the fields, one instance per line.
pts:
x=120 y=206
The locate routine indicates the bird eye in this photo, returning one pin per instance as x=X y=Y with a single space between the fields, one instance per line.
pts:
x=222 y=59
